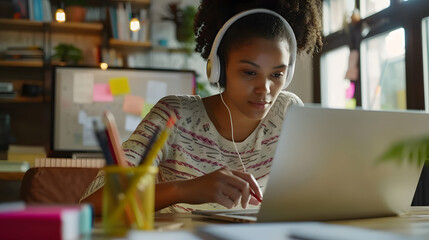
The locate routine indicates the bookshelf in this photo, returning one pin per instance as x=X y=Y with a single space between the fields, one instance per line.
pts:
x=31 y=116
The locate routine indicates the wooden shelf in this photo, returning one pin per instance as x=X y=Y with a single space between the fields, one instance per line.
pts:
x=135 y=3
x=129 y=46
x=20 y=99
x=77 y=27
x=20 y=24
x=7 y=63
x=171 y=50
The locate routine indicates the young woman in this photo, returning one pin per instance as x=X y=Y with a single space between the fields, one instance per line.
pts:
x=222 y=146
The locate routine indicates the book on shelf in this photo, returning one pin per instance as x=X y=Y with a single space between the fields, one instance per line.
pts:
x=8 y=95
x=40 y=10
x=70 y=162
x=25 y=153
x=24 y=53
x=120 y=17
x=8 y=166
x=48 y=222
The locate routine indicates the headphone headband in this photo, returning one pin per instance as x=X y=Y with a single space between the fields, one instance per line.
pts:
x=213 y=62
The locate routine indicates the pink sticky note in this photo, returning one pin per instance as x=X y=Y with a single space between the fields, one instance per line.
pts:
x=102 y=93
x=133 y=104
x=350 y=92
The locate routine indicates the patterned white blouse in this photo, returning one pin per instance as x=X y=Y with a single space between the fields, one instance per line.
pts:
x=196 y=148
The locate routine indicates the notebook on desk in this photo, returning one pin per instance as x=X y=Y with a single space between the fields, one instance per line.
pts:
x=327 y=167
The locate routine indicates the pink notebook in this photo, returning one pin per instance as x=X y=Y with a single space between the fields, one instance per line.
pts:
x=42 y=222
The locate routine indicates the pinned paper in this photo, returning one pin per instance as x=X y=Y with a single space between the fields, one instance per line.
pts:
x=119 y=85
x=88 y=136
x=102 y=93
x=133 y=104
x=82 y=116
x=155 y=90
x=146 y=109
x=83 y=83
x=350 y=92
x=131 y=122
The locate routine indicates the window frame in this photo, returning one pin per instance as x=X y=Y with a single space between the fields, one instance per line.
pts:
x=408 y=15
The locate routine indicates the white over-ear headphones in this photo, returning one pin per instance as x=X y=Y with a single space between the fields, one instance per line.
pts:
x=213 y=62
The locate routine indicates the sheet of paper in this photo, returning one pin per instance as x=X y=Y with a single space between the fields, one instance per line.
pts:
x=83 y=84
x=131 y=122
x=304 y=230
x=88 y=136
x=167 y=235
x=81 y=119
x=146 y=109
x=102 y=93
x=133 y=104
x=155 y=90
x=119 y=85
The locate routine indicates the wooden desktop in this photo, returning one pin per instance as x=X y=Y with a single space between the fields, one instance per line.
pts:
x=413 y=224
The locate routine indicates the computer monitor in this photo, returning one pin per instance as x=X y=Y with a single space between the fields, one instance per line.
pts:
x=82 y=94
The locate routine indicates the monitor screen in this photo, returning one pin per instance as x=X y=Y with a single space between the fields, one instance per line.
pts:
x=82 y=94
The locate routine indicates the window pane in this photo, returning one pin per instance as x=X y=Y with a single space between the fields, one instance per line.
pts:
x=425 y=40
x=334 y=14
x=383 y=71
x=369 y=7
x=333 y=67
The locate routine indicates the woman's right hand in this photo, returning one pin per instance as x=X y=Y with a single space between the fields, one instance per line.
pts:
x=224 y=186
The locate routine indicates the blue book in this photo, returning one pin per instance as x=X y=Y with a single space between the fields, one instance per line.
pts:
x=38 y=10
x=113 y=22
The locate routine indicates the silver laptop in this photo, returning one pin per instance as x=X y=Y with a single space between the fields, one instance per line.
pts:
x=329 y=166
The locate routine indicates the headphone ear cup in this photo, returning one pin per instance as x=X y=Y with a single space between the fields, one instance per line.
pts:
x=213 y=69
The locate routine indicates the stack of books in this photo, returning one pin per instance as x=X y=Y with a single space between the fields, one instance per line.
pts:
x=6 y=90
x=19 y=153
x=29 y=53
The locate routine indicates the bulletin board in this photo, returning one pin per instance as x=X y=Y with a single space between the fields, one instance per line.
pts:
x=82 y=94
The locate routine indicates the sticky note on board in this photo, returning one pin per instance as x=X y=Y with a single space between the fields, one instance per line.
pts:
x=83 y=83
x=102 y=93
x=119 y=85
x=146 y=109
x=131 y=122
x=155 y=90
x=133 y=104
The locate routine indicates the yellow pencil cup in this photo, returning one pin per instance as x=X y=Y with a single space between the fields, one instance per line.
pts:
x=128 y=199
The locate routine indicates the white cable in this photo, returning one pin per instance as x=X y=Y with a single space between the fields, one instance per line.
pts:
x=232 y=128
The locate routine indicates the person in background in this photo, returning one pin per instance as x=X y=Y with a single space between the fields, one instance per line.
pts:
x=221 y=148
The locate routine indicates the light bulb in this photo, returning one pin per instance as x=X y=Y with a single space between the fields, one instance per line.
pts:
x=60 y=15
x=103 y=66
x=134 y=25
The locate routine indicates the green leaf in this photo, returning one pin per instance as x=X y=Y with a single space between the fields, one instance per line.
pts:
x=414 y=150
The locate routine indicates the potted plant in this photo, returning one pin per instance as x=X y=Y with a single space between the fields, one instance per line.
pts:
x=75 y=10
x=183 y=18
x=67 y=53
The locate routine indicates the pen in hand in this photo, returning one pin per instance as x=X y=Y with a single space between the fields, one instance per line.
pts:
x=255 y=196
x=149 y=146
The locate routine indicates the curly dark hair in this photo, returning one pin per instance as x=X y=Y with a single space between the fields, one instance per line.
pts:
x=304 y=16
